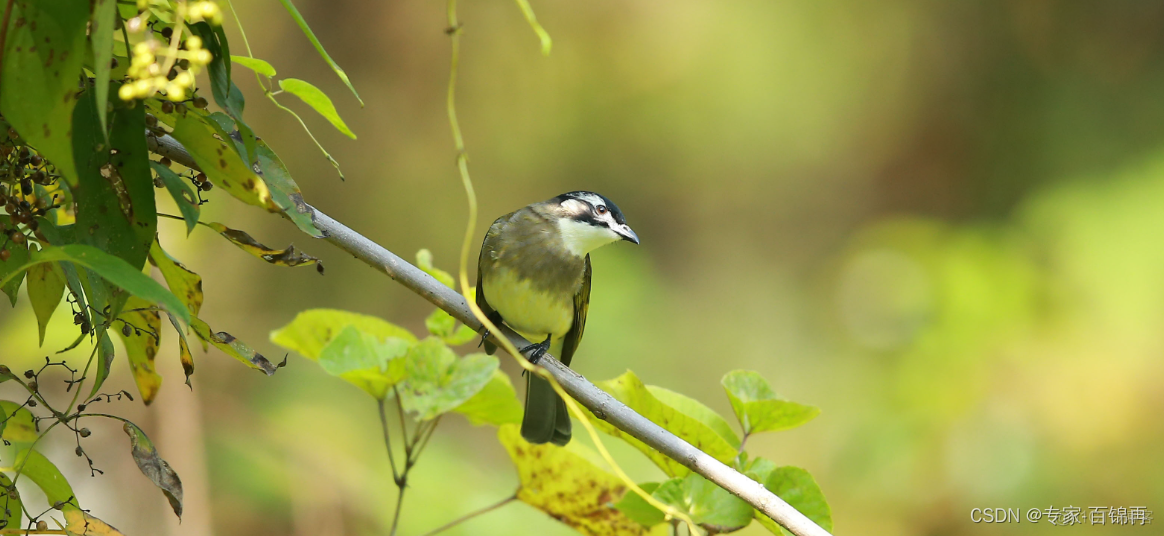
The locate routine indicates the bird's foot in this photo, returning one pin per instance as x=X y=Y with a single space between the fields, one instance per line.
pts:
x=537 y=350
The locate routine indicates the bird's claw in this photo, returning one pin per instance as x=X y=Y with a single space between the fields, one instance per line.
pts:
x=537 y=350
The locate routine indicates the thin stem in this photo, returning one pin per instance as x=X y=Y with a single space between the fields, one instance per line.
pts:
x=471 y=515
x=399 y=503
x=743 y=440
x=403 y=430
x=387 y=441
x=427 y=436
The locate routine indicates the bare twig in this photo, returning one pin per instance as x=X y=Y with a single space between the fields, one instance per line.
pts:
x=599 y=402
x=471 y=515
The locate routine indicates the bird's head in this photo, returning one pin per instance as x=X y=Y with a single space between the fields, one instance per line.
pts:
x=588 y=221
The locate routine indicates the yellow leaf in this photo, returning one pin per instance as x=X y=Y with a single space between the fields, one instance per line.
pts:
x=141 y=345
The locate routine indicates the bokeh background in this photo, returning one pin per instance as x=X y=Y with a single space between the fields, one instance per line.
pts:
x=938 y=221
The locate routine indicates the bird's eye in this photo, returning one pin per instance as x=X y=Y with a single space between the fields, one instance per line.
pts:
x=600 y=209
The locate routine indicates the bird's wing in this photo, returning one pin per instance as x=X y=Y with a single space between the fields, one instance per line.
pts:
x=486 y=247
x=581 y=305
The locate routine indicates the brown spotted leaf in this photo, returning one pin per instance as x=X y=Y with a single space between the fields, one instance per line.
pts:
x=214 y=152
x=43 y=51
x=280 y=257
x=144 y=325
x=566 y=486
x=184 y=351
x=185 y=284
x=154 y=467
x=80 y=523
x=232 y=346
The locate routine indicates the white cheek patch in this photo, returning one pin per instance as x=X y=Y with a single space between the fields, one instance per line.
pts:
x=582 y=238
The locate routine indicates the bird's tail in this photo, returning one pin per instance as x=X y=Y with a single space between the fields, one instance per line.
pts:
x=546 y=418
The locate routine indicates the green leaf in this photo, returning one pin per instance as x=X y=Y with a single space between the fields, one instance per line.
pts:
x=154 y=467
x=280 y=257
x=219 y=67
x=566 y=486
x=116 y=214
x=284 y=191
x=141 y=345
x=254 y=64
x=105 y=355
x=424 y=262
x=184 y=195
x=443 y=325
x=101 y=26
x=799 y=490
x=183 y=283
x=638 y=509
x=694 y=408
x=20 y=427
x=629 y=390
x=364 y=360
x=43 y=53
x=436 y=381
x=113 y=269
x=232 y=347
x=11 y=508
x=12 y=270
x=319 y=47
x=495 y=404
x=313 y=329
x=46 y=285
x=320 y=102
x=220 y=162
x=709 y=505
x=34 y=466
x=757 y=406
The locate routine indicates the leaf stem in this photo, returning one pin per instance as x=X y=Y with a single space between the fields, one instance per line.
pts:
x=387 y=440
x=471 y=515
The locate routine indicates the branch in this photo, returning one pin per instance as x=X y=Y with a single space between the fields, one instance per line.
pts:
x=599 y=402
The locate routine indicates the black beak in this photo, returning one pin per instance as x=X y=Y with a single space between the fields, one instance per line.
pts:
x=627 y=234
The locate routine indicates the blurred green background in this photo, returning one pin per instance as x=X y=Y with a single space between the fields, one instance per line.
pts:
x=940 y=222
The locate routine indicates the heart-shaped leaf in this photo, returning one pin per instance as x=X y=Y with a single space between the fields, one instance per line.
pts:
x=757 y=406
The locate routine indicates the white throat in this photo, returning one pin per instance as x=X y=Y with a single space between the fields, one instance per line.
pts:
x=581 y=238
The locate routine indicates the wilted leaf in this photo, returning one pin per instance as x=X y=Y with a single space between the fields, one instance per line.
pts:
x=757 y=406
x=46 y=285
x=629 y=390
x=364 y=360
x=183 y=283
x=184 y=354
x=220 y=162
x=694 y=408
x=184 y=195
x=232 y=347
x=254 y=64
x=280 y=257
x=11 y=508
x=638 y=509
x=105 y=355
x=80 y=523
x=709 y=505
x=34 y=466
x=20 y=427
x=43 y=51
x=424 y=262
x=799 y=490
x=312 y=329
x=495 y=404
x=154 y=467
x=436 y=381
x=12 y=270
x=141 y=345
x=567 y=486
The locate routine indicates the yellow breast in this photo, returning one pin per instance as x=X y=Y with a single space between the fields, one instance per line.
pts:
x=532 y=312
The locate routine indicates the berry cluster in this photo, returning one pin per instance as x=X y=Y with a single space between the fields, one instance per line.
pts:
x=168 y=65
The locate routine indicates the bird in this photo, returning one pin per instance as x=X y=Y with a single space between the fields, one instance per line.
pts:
x=533 y=274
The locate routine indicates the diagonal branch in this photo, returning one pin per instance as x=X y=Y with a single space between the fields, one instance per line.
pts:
x=599 y=402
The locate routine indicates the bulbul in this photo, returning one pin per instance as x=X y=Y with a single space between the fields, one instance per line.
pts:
x=534 y=275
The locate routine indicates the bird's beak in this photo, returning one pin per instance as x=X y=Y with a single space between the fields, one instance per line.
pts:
x=627 y=234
